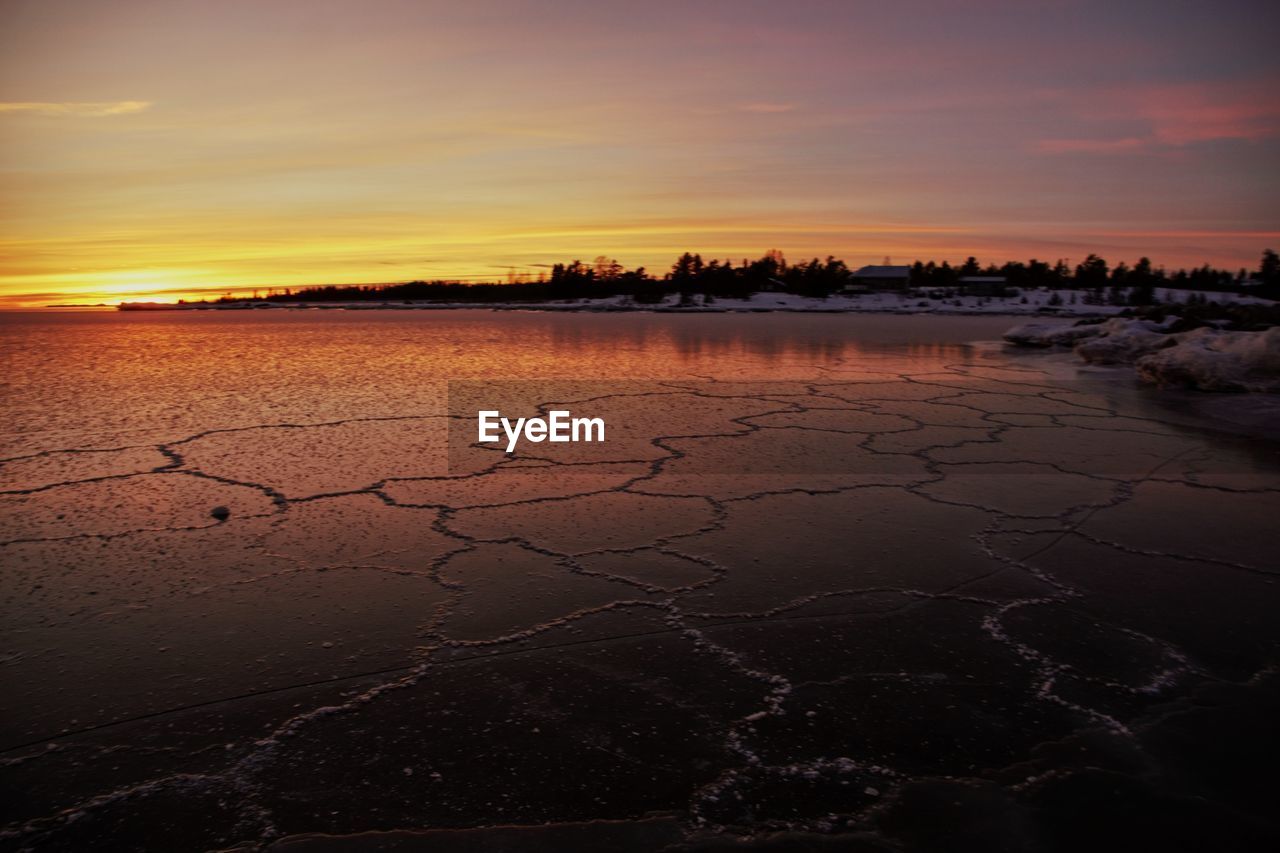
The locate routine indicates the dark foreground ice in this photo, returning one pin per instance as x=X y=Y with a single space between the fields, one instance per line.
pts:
x=832 y=582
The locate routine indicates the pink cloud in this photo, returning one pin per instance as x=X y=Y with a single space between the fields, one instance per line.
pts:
x=1189 y=113
x=1175 y=115
x=1091 y=146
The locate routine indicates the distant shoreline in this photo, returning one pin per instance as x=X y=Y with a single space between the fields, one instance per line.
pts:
x=609 y=309
x=1036 y=303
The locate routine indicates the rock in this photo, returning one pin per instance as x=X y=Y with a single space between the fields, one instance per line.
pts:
x=221 y=513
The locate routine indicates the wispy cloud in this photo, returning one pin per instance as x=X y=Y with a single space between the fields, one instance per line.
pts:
x=75 y=108
x=766 y=107
x=1091 y=146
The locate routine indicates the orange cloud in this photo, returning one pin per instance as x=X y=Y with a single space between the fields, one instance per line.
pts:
x=75 y=108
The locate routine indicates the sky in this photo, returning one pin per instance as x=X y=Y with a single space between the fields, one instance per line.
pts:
x=156 y=149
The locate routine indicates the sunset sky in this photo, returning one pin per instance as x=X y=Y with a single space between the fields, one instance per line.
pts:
x=157 y=148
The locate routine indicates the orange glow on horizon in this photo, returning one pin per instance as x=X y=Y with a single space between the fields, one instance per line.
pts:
x=208 y=259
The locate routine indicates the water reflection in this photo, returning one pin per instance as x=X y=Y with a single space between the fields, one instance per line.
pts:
x=102 y=379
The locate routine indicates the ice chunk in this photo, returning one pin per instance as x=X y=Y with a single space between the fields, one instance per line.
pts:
x=1049 y=334
x=1124 y=341
x=1218 y=361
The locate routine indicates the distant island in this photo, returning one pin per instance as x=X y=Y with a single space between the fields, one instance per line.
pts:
x=1093 y=280
x=1240 y=298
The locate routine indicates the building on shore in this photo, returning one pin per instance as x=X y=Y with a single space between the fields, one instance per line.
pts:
x=982 y=285
x=881 y=277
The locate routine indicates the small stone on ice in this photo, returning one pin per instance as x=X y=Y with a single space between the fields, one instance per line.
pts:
x=220 y=512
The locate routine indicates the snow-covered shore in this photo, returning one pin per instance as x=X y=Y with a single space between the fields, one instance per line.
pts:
x=1205 y=358
x=1034 y=302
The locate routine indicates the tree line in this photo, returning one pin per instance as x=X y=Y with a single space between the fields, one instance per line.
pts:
x=1136 y=284
x=692 y=276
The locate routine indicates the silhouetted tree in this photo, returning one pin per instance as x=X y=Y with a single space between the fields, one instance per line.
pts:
x=606 y=269
x=1091 y=272
x=1269 y=268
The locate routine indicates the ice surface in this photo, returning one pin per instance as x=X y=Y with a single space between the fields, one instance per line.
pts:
x=840 y=580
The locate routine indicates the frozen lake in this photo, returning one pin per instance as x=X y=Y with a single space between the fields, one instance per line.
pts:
x=867 y=577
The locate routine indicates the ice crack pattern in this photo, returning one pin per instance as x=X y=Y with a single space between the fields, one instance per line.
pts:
x=840 y=604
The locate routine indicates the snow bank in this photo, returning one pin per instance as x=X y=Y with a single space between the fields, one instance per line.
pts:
x=1050 y=334
x=1217 y=361
x=1124 y=341
x=1208 y=359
